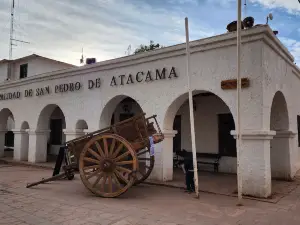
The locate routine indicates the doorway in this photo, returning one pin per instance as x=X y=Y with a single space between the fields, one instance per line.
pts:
x=177 y=138
x=56 y=127
x=9 y=139
x=227 y=143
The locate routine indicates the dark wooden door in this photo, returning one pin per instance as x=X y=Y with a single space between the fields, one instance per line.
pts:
x=56 y=131
x=227 y=143
x=177 y=138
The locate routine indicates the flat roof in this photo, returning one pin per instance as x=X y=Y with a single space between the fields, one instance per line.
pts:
x=35 y=56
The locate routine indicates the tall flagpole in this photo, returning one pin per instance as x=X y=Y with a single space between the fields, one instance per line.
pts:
x=239 y=179
x=191 y=107
x=11 y=28
x=12 y=11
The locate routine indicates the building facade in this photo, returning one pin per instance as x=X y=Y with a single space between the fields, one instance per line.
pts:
x=21 y=68
x=49 y=108
x=28 y=66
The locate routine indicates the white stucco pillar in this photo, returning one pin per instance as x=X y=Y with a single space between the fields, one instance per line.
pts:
x=72 y=134
x=21 y=145
x=38 y=145
x=163 y=167
x=282 y=163
x=2 y=142
x=255 y=162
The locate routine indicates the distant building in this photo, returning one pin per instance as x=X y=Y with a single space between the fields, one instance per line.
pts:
x=29 y=66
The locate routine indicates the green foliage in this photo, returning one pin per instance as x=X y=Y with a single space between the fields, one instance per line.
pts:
x=146 y=48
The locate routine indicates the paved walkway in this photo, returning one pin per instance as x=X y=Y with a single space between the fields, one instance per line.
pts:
x=68 y=202
x=210 y=182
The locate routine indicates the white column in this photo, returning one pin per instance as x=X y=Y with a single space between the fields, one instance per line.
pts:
x=282 y=159
x=163 y=167
x=21 y=145
x=255 y=162
x=2 y=142
x=38 y=145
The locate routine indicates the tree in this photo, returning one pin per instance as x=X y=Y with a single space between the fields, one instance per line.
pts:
x=146 y=48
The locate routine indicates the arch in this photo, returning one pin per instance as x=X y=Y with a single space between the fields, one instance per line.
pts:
x=52 y=119
x=81 y=125
x=25 y=125
x=177 y=103
x=210 y=113
x=279 y=116
x=44 y=116
x=7 y=123
x=279 y=145
x=110 y=107
x=5 y=114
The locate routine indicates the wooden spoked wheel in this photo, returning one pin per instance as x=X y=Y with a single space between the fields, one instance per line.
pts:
x=108 y=165
x=146 y=164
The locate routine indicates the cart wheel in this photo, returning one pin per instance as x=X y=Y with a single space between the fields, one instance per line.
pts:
x=146 y=164
x=107 y=165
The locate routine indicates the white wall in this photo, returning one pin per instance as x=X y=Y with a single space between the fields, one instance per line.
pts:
x=41 y=65
x=206 y=123
x=37 y=65
x=3 y=72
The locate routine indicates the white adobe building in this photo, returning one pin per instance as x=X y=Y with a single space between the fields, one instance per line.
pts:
x=52 y=107
x=28 y=66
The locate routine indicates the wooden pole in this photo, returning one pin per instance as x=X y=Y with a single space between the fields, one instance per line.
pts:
x=238 y=143
x=191 y=106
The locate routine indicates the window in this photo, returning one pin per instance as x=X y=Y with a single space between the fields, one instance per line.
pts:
x=23 y=70
x=298 y=124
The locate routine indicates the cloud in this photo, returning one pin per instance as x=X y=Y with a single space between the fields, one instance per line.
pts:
x=104 y=28
x=292 y=6
x=193 y=2
x=293 y=46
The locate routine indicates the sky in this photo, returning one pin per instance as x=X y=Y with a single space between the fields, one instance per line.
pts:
x=105 y=29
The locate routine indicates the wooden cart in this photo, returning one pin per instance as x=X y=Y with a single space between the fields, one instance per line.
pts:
x=113 y=159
